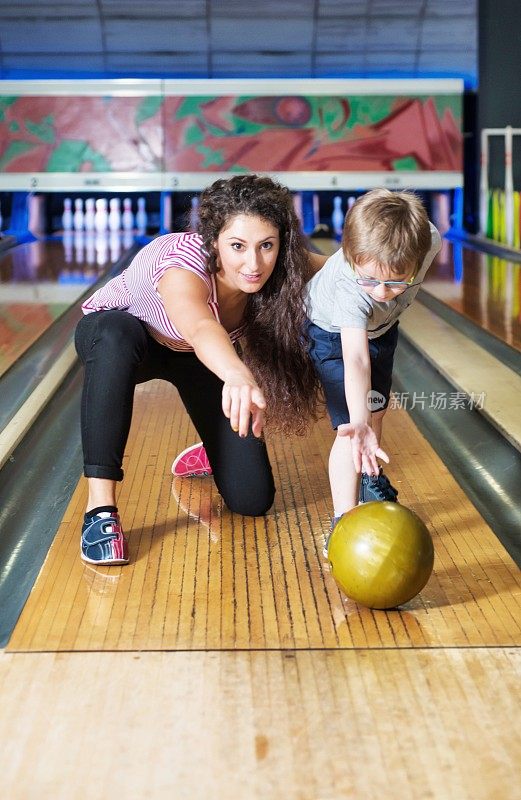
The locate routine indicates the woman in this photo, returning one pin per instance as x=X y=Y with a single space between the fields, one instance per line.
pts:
x=177 y=313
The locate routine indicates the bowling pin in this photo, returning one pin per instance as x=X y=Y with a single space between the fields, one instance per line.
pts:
x=115 y=246
x=114 y=214
x=165 y=212
x=337 y=217
x=78 y=214
x=79 y=244
x=88 y=218
x=67 y=244
x=36 y=209
x=102 y=247
x=101 y=217
x=350 y=202
x=141 y=216
x=128 y=239
x=127 y=217
x=67 y=217
x=194 y=213
x=90 y=250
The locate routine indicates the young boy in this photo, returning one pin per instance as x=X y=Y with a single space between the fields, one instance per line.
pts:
x=354 y=302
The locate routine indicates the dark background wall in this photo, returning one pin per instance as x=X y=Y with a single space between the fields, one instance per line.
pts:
x=499 y=71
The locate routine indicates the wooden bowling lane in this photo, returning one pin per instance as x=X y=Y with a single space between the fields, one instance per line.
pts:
x=486 y=289
x=39 y=281
x=202 y=578
x=21 y=324
x=405 y=724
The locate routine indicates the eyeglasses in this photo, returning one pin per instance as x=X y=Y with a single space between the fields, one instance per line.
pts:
x=371 y=283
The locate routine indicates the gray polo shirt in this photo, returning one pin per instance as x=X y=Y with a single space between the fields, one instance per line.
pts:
x=334 y=299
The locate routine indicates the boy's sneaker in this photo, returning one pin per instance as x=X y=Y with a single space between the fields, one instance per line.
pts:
x=326 y=543
x=334 y=521
x=372 y=487
x=377 y=487
x=192 y=463
x=102 y=540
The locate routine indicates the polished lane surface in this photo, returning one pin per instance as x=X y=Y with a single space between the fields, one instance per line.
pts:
x=40 y=280
x=483 y=288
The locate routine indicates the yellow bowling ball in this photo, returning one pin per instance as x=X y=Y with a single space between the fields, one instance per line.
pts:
x=381 y=554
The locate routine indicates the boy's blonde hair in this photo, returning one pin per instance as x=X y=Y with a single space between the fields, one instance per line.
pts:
x=390 y=228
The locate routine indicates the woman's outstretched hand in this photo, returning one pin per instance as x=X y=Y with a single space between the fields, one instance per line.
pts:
x=242 y=398
x=364 y=447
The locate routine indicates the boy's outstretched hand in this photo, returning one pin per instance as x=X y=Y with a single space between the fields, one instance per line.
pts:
x=364 y=447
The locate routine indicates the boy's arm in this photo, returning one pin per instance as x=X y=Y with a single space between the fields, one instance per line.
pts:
x=357 y=384
x=357 y=373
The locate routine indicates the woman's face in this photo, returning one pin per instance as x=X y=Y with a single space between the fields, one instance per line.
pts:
x=248 y=248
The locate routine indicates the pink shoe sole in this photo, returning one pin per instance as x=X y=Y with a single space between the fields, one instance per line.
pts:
x=192 y=463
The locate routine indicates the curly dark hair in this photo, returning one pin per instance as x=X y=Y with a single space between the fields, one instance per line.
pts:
x=274 y=346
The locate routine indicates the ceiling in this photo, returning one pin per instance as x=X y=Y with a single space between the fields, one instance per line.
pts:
x=238 y=38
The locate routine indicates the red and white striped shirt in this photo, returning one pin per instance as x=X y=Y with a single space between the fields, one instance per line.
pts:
x=135 y=289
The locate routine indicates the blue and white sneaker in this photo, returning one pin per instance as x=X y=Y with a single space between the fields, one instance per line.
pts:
x=102 y=539
x=377 y=487
x=372 y=487
x=334 y=521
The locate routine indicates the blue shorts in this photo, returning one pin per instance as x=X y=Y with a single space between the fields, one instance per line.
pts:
x=325 y=349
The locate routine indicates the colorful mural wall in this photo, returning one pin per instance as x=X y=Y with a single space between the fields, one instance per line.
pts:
x=81 y=134
x=307 y=133
x=173 y=133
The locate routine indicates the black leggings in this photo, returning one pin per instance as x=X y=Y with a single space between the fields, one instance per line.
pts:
x=118 y=353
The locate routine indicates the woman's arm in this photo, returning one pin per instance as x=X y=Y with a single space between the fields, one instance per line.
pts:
x=185 y=298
